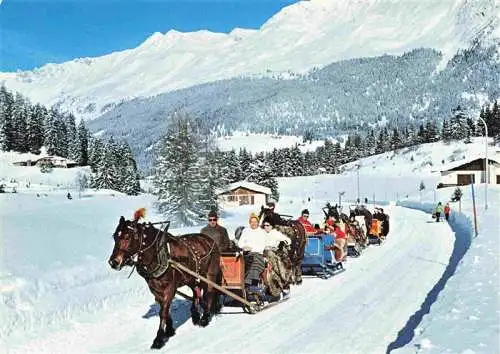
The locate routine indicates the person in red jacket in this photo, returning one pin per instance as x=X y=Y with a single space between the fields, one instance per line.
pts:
x=304 y=220
x=447 y=211
x=340 y=239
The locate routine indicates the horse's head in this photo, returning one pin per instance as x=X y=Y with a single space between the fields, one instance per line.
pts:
x=127 y=243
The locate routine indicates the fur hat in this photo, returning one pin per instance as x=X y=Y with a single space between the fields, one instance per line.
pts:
x=253 y=216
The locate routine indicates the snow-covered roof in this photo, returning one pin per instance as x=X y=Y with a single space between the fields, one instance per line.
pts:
x=455 y=164
x=245 y=184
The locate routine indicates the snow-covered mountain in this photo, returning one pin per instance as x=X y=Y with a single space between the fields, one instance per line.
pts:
x=301 y=36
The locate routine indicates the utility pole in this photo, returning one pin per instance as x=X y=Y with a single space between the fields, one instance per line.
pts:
x=486 y=179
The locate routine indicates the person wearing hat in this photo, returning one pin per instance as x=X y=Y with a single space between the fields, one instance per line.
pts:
x=304 y=220
x=216 y=232
x=253 y=242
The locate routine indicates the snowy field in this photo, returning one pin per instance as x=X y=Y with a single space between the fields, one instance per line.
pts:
x=264 y=142
x=59 y=295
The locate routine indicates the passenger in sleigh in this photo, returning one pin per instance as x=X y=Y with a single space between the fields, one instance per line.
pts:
x=304 y=220
x=253 y=241
x=273 y=236
x=336 y=229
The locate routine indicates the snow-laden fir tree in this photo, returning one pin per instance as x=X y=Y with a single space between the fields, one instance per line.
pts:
x=6 y=125
x=96 y=148
x=458 y=124
x=72 y=137
x=232 y=162
x=107 y=175
x=50 y=132
x=20 y=111
x=446 y=133
x=35 y=128
x=177 y=174
x=83 y=144
x=127 y=168
x=262 y=174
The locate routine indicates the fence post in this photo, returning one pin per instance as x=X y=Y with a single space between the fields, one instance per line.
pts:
x=474 y=205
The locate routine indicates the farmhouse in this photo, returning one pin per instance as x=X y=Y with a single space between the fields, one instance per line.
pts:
x=243 y=193
x=463 y=172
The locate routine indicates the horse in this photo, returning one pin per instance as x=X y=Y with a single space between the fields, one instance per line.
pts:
x=295 y=231
x=151 y=251
x=362 y=211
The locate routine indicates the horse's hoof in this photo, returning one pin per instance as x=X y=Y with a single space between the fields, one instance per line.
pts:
x=205 y=320
x=196 y=319
x=170 y=332
x=158 y=343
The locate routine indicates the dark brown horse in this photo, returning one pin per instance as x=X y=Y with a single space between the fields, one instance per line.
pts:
x=151 y=250
x=297 y=234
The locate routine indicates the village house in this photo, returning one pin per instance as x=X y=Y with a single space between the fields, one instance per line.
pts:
x=52 y=161
x=463 y=172
x=243 y=193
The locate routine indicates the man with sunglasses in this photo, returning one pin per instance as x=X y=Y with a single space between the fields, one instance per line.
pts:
x=216 y=232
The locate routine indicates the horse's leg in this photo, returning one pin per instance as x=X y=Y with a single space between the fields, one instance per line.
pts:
x=211 y=298
x=166 y=328
x=195 y=314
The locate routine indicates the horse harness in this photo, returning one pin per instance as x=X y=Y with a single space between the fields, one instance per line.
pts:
x=163 y=254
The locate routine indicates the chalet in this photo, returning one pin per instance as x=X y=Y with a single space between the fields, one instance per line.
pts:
x=55 y=161
x=243 y=193
x=463 y=172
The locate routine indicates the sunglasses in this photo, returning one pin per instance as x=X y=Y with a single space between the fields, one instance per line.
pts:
x=265 y=225
x=212 y=219
x=305 y=216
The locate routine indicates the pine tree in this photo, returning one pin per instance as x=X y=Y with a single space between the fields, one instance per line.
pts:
x=62 y=136
x=446 y=134
x=245 y=159
x=263 y=175
x=72 y=137
x=6 y=124
x=297 y=160
x=396 y=142
x=95 y=154
x=83 y=142
x=458 y=124
x=50 y=132
x=127 y=167
x=177 y=175
x=431 y=132
x=35 y=128
x=230 y=159
x=20 y=114
x=107 y=175
x=493 y=122
x=370 y=143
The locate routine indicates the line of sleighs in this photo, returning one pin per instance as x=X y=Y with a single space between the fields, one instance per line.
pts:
x=169 y=262
x=320 y=258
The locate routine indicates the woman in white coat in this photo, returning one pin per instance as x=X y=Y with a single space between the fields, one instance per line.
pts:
x=273 y=236
x=253 y=242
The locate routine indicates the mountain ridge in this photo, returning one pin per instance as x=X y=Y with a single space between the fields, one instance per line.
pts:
x=298 y=38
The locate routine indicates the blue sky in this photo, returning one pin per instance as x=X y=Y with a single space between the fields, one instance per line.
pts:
x=36 y=32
